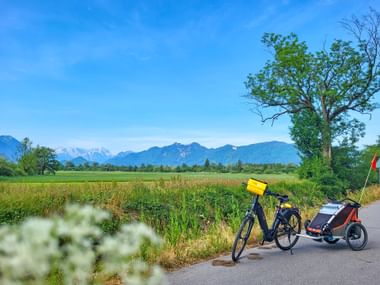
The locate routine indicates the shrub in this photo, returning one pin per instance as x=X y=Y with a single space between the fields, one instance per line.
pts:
x=331 y=185
x=7 y=168
x=72 y=248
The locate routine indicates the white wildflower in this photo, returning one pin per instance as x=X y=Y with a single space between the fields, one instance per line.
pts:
x=73 y=244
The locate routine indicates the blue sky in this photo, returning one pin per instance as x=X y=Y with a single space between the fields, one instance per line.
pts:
x=127 y=75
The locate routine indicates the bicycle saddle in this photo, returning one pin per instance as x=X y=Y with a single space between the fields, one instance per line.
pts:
x=283 y=198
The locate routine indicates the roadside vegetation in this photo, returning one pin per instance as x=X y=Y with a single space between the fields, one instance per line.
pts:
x=196 y=218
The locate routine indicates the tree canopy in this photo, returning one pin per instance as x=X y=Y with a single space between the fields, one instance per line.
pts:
x=320 y=90
x=38 y=160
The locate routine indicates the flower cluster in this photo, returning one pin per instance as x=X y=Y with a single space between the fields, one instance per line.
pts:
x=75 y=247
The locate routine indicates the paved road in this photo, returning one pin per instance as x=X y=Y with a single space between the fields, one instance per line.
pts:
x=312 y=263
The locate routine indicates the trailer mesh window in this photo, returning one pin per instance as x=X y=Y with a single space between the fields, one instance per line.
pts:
x=341 y=217
x=319 y=220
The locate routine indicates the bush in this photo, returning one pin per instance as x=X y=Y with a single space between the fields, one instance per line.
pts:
x=331 y=185
x=313 y=168
x=7 y=168
x=72 y=248
x=317 y=170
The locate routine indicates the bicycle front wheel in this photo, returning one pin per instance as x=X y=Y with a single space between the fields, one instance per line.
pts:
x=286 y=233
x=242 y=237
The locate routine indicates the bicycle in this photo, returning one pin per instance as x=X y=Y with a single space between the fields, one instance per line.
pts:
x=286 y=225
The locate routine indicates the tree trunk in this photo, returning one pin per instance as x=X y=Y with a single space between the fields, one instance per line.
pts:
x=326 y=152
x=326 y=145
x=326 y=132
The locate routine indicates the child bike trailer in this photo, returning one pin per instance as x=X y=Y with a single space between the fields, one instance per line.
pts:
x=338 y=220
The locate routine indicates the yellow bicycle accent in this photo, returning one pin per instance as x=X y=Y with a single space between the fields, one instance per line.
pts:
x=286 y=206
x=256 y=186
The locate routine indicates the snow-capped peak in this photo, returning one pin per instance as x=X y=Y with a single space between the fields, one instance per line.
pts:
x=94 y=154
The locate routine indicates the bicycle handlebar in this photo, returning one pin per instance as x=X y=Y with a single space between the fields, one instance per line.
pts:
x=278 y=196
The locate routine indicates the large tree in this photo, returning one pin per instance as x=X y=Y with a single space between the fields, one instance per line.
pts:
x=320 y=90
x=46 y=161
x=38 y=160
x=27 y=160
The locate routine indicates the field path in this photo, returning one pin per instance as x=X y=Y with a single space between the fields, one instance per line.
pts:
x=312 y=263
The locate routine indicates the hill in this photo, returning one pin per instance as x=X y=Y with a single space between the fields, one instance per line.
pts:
x=9 y=147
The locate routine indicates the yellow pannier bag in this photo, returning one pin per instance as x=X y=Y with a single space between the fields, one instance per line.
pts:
x=256 y=186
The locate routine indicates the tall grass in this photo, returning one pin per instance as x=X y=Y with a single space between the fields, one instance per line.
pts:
x=196 y=218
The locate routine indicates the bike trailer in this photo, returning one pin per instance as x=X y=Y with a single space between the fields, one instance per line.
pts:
x=333 y=218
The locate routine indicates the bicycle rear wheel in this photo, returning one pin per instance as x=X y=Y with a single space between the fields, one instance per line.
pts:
x=286 y=233
x=242 y=237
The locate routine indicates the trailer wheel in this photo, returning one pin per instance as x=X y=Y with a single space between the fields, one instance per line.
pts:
x=356 y=236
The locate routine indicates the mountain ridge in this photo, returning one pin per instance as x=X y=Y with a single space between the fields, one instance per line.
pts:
x=194 y=153
x=170 y=155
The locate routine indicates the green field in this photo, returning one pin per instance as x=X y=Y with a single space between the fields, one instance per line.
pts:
x=118 y=176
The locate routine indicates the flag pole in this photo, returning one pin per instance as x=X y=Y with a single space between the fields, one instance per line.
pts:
x=365 y=184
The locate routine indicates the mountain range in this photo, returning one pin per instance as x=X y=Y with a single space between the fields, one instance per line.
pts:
x=194 y=153
x=171 y=155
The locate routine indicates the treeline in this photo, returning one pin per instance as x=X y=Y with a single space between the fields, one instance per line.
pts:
x=349 y=168
x=37 y=160
x=239 y=167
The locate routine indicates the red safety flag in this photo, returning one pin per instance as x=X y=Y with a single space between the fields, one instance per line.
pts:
x=373 y=162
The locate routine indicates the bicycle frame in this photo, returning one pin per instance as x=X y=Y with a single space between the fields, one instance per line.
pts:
x=257 y=210
x=283 y=222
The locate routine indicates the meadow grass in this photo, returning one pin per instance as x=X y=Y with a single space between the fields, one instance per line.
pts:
x=197 y=218
x=121 y=176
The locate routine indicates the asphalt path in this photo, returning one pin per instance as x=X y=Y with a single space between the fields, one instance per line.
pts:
x=311 y=263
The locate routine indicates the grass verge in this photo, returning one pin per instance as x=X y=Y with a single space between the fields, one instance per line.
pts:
x=198 y=219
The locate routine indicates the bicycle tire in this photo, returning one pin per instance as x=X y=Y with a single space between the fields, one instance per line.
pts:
x=296 y=229
x=351 y=235
x=246 y=224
